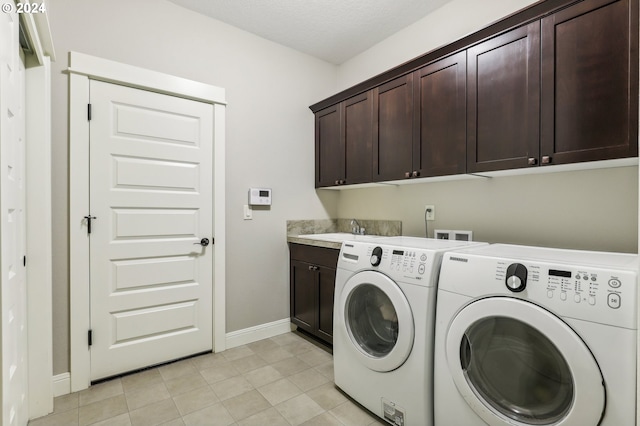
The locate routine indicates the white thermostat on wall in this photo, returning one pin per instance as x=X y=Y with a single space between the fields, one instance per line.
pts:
x=260 y=196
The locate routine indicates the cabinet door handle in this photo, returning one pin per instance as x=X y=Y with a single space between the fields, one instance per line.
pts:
x=532 y=161
x=313 y=268
x=407 y=175
x=546 y=159
x=415 y=174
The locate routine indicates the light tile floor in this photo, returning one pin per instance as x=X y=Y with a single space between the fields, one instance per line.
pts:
x=284 y=380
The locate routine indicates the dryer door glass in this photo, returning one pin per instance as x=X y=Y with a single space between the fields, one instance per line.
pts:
x=517 y=370
x=373 y=320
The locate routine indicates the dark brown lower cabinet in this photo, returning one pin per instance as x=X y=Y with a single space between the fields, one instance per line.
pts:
x=312 y=282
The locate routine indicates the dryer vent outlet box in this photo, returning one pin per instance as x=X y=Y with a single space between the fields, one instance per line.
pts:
x=446 y=234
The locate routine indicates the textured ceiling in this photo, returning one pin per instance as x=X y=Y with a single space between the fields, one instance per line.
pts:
x=333 y=30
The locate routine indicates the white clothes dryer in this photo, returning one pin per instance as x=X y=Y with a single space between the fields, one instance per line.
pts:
x=383 y=325
x=533 y=336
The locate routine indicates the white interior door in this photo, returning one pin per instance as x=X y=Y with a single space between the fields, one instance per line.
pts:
x=151 y=179
x=12 y=224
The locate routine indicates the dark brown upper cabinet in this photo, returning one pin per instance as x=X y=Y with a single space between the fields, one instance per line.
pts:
x=419 y=125
x=554 y=83
x=503 y=86
x=589 y=82
x=393 y=129
x=330 y=158
x=358 y=137
x=440 y=117
x=344 y=142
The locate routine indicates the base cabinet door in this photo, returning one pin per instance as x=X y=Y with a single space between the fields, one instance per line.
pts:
x=326 y=287
x=304 y=298
x=503 y=117
x=589 y=80
x=312 y=284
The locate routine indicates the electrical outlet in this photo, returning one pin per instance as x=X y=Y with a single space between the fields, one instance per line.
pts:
x=430 y=212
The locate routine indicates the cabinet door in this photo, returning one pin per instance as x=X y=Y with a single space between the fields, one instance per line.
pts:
x=304 y=295
x=440 y=146
x=590 y=82
x=326 y=282
x=329 y=147
x=393 y=129
x=358 y=138
x=503 y=84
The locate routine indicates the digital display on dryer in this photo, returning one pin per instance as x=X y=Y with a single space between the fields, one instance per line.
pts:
x=398 y=252
x=557 y=273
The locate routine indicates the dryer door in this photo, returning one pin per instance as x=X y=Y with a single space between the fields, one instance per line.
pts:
x=378 y=320
x=517 y=364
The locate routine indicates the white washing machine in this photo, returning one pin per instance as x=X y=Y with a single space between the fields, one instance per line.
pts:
x=383 y=325
x=535 y=336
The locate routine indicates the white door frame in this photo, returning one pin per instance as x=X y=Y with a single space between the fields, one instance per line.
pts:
x=39 y=275
x=83 y=68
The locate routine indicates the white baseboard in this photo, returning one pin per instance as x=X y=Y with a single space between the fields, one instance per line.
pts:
x=259 y=332
x=61 y=384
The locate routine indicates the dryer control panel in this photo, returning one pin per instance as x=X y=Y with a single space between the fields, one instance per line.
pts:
x=578 y=284
x=580 y=292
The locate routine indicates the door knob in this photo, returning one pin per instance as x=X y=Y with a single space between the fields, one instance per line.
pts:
x=203 y=242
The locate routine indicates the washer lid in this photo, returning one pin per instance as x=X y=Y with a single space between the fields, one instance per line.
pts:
x=378 y=320
x=517 y=364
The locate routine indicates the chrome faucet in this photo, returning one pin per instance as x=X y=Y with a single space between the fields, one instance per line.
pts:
x=356 y=229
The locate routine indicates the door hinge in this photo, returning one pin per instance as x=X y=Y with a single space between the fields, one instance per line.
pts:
x=89 y=112
x=90 y=337
x=24 y=260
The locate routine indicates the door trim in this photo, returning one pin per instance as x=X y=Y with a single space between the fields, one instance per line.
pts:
x=83 y=68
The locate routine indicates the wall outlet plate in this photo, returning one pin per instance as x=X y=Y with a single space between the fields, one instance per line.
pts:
x=430 y=212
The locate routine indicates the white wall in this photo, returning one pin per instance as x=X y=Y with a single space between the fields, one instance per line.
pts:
x=451 y=22
x=269 y=136
x=591 y=210
x=595 y=210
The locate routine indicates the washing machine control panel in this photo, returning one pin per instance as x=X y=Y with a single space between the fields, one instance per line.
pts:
x=404 y=264
x=580 y=292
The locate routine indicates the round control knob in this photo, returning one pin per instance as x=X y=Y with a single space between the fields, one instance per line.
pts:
x=376 y=256
x=516 y=277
